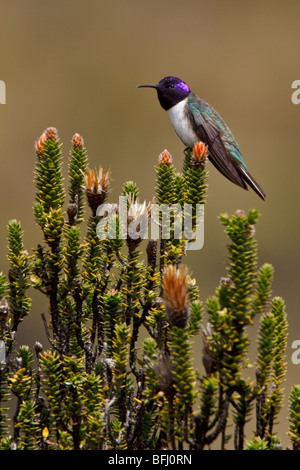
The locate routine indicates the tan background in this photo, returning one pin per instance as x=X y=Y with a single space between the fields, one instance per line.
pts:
x=75 y=65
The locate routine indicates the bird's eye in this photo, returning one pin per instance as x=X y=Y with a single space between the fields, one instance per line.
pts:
x=172 y=85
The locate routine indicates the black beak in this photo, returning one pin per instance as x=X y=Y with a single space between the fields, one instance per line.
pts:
x=147 y=86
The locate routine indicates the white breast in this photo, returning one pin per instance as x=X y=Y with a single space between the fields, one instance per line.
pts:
x=181 y=125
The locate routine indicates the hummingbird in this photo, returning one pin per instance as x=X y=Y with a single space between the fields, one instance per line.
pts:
x=195 y=120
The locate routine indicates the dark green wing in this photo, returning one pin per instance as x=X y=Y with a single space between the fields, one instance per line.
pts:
x=206 y=124
x=224 y=152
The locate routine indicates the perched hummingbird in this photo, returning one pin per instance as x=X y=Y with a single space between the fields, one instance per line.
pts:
x=195 y=120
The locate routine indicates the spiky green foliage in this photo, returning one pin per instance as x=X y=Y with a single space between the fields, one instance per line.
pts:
x=4 y=398
x=184 y=378
x=196 y=317
x=257 y=444
x=130 y=189
x=209 y=387
x=74 y=399
x=166 y=198
x=271 y=369
x=19 y=302
x=240 y=296
x=21 y=382
x=13 y=310
x=195 y=189
x=264 y=364
x=52 y=380
x=112 y=309
x=93 y=412
x=195 y=186
x=278 y=362
x=265 y=348
x=179 y=188
x=119 y=369
x=232 y=315
x=73 y=254
x=294 y=417
x=3 y=285
x=133 y=280
x=49 y=215
x=165 y=189
x=119 y=372
x=263 y=290
x=48 y=175
x=74 y=403
x=184 y=374
x=149 y=359
x=77 y=168
x=242 y=264
x=5 y=339
x=205 y=416
x=92 y=255
x=28 y=425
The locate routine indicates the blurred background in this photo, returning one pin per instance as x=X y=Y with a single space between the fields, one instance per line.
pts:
x=75 y=65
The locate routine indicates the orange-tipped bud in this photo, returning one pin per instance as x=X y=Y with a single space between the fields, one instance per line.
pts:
x=77 y=141
x=51 y=133
x=199 y=155
x=96 y=187
x=39 y=144
x=165 y=158
x=176 y=295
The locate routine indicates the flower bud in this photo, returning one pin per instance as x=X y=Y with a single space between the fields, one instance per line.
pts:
x=39 y=144
x=165 y=158
x=176 y=295
x=137 y=221
x=199 y=155
x=51 y=133
x=96 y=187
x=77 y=141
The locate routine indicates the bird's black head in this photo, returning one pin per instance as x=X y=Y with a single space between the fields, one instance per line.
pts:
x=170 y=91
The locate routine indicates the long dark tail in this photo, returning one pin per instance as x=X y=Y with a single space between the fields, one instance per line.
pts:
x=251 y=182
